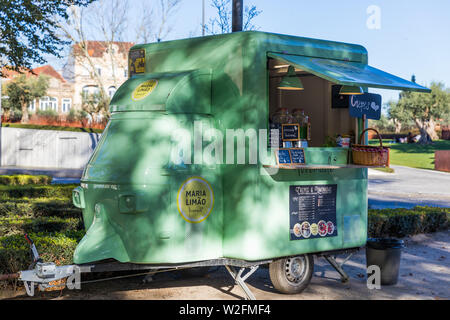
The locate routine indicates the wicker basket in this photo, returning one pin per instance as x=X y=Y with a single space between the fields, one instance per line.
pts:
x=370 y=155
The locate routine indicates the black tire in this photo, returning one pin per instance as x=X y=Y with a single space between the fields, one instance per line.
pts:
x=292 y=275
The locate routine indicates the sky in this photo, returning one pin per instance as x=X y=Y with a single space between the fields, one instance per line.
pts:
x=403 y=37
x=413 y=36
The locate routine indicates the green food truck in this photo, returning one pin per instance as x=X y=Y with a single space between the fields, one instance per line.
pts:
x=218 y=152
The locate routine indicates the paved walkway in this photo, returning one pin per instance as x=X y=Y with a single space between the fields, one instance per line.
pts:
x=408 y=187
x=424 y=274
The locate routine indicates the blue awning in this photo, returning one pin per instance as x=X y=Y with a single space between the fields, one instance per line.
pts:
x=349 y=73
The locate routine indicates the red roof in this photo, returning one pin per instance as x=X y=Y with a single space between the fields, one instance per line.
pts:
x=10 y=74
x=48 y=70
x=96 y=49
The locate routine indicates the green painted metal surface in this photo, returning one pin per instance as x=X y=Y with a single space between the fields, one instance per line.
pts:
x=173 y=93
x=136 y=198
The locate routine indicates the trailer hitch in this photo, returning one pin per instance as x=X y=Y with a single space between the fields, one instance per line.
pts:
x=34 y=253
x=47 y=275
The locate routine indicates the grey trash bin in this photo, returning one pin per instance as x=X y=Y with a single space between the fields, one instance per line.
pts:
x=385 y=253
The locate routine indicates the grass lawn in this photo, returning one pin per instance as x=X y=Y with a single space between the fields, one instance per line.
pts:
x=387 y=170
x=414 y=155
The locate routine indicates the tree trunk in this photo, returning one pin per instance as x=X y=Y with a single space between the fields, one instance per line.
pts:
x=398 y=126
x=6 y=114
x=25 y=117
x=424 y=138
x=430 y=128
x=427 y=131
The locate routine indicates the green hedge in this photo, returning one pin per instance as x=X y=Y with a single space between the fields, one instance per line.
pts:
x=46 y=213
x=403 y=222
x=56 y=247
x=35 y=208
x=56 y=237
x=23 y=179
x=20 y=225
x=37 y=191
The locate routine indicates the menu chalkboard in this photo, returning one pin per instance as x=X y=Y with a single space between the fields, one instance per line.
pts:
x=312 y=211
x=283 y=156
x=298 y=156
x=290 y=132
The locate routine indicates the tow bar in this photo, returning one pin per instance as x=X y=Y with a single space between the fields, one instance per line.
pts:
x=46 y=275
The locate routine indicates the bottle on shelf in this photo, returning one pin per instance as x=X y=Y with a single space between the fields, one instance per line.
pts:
x=302 y=120
x=280 y=117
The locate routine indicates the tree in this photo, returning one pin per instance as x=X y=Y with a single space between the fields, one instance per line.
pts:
x=107 y=21
x=29 y=30
x=397 y=115
x=424 y=109
x=93 y=104
x=23 y=89
x=223 y=20
x=110 y=22
x=383 y=125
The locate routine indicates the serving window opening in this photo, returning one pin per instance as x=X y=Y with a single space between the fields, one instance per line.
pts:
x=308 y=103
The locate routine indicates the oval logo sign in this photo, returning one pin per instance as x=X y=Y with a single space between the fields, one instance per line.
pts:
x=195 y=200
x=144 y=89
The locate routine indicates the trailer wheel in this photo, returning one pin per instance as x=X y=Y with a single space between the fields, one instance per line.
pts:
x=292 y=275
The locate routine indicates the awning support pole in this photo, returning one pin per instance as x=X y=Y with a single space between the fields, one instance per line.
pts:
x=240 y=280
x=338 y=267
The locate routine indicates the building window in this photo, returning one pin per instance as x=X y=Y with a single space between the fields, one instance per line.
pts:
x=90 y=90
x=32 y=106
x=66 y=104
x=111 y=91
x=99 y=70
x=48 y=103
x=54 y=104
x=43 y=102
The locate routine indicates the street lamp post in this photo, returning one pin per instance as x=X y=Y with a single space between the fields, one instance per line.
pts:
x=203 y=18
x=237 y=15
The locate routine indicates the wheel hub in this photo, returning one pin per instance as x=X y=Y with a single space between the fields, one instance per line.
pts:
x=295 y=269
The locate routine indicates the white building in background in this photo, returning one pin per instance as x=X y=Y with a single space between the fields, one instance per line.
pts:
x=59 y=96
x=108 y=60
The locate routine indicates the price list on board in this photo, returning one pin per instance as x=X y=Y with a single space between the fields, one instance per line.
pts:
x=312 y=211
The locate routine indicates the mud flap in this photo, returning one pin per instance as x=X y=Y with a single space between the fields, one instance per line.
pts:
x=100 y=242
